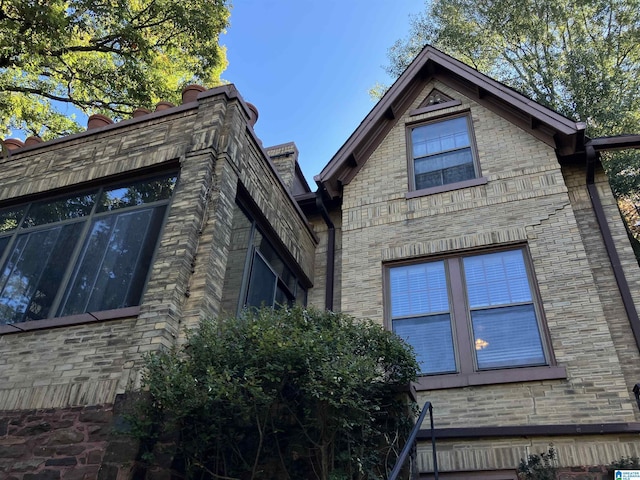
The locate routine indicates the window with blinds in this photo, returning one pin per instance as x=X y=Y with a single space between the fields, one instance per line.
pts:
x=442 y=153
x=465 y=314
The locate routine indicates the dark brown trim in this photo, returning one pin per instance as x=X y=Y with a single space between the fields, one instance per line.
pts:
x=473 y=182
x=617 y=142
x=482 y=475
x=532 y=430
x=491 y=377
x=435 y=107
x=563 y=133
x=90 y=317
x=610 y=247
x=331 y=255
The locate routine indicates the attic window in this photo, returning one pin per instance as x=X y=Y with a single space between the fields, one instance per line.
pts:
x=442 y=153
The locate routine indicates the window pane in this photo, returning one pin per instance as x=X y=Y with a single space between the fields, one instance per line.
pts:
x=458 y=173
x=418 y=289
x=301 y=295
x=498 y=278
x=3 y=244
x=283 y=297
x=114 y=262
x=236 y=261
x=442 y=153
x=33 y=272
x=507 y=337
x=443 y=161
x=10 y=218
x=144 y=191
x=441 y=136
x=444 y=168
x=432 y=341
x=45 y=212
x=262 y=284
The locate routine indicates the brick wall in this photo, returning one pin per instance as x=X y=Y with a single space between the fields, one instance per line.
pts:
x=525 y=202
x=626 y=348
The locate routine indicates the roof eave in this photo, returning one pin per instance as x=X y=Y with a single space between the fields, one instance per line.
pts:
x=560 y=132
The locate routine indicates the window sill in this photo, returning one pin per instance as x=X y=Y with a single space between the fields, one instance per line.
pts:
x=491 y=377
x=91 y=317
x=474 y=182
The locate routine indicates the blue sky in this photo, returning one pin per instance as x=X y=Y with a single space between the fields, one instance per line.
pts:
x=307 y=65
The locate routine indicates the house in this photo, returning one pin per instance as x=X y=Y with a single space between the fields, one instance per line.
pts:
x=115 y=240
x=472 y=221
x=480 y=226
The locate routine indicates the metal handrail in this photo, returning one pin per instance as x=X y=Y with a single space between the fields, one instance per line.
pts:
x=411 y=443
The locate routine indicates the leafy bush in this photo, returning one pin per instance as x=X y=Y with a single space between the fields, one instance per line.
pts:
x=288 y=393
x=625 y=463
x=539 y=466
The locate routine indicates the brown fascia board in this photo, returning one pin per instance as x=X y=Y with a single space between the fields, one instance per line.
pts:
x=618 y=142
x=545 y=123
x=531 y=431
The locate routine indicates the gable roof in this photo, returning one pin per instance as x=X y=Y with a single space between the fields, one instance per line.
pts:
x=564 y=135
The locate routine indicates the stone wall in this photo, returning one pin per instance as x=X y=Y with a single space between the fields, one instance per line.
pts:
x=215 y=150
x=65 y=443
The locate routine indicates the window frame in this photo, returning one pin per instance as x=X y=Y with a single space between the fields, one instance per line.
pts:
x=478 y=179
x=55 y=318
x=260 y=226
x=460 y=317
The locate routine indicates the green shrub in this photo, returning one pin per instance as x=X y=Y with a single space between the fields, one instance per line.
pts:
x=279 y=394
x=540 y=466
x=625 y=463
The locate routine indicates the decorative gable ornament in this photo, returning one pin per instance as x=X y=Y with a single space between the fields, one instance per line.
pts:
x=434 y=98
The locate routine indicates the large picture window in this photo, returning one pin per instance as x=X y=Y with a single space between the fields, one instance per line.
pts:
x=468 y=314
x=82 y=252
x=442 y=153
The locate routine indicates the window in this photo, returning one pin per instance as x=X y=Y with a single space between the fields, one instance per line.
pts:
x=83 y=252
x=468 y=314
x=256 y=273
x=442 y=153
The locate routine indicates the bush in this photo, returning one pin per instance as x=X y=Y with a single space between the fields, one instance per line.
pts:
x=624 y=463
x=539 y=466
x=288 y=393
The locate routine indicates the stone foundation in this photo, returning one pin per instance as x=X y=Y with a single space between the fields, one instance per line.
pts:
x=78 y=443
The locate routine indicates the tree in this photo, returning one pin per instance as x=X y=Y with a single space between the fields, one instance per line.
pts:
x=578 y=57
x=101 y=56
x=283 y=394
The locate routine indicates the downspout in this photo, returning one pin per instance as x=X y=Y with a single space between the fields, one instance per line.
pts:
x=331 y=252
x=623 y=286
